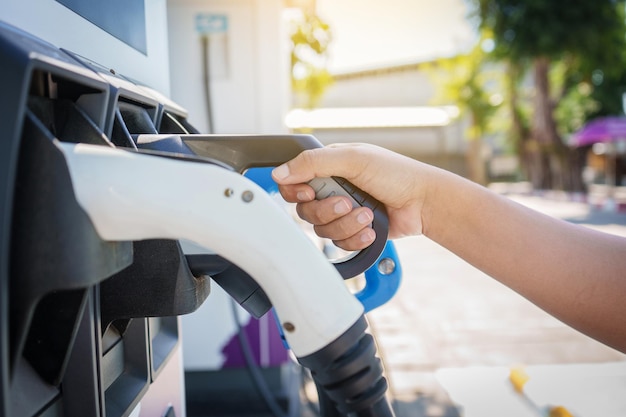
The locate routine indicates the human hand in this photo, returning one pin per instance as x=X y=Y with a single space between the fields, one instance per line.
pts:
x=391 y=178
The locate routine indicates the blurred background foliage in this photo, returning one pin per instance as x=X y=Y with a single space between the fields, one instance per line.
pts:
x=560 y=64
x=310 y=37
x=474 y=84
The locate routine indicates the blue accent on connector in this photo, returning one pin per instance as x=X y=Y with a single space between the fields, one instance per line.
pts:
x=281 y=332
x=263 y=178
x=381 y=287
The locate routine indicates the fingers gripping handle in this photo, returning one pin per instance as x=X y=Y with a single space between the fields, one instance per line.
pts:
x=365 y=258
x=242 y=152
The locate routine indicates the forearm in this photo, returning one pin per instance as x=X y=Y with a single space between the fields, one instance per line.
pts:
x=574 y=273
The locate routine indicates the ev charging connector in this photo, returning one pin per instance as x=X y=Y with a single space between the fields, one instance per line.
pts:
x=133 y=196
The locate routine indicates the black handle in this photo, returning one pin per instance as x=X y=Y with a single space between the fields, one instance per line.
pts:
x=250 y=151
x=241 y=152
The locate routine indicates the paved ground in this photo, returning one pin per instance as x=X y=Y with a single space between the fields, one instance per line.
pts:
x=451 y=325
x=451 y=334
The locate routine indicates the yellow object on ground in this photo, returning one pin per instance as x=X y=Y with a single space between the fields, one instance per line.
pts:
x=560 y=412
x=518 y=378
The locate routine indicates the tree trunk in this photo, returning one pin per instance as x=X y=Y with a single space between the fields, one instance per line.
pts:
x=549 y=154
x=544 y=126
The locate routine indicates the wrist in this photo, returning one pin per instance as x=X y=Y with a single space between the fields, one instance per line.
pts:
x=441 y=197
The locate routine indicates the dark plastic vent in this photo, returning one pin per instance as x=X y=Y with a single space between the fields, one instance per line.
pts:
x=79 y=341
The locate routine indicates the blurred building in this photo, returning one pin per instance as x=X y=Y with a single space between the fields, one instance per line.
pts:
x=390 y=106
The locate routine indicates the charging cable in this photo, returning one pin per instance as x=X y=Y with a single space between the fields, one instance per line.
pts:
x=255 y=372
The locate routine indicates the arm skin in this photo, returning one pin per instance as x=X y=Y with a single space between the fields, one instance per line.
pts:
x=572 y=272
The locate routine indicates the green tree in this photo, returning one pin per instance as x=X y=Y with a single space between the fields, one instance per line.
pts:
x=310 y=38
x=586 y=35
x=470 y=82
x=608 y=91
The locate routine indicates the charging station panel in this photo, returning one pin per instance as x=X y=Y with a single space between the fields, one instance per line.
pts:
x=89 y=327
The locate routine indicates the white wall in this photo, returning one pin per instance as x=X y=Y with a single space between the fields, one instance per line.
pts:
x=250 y=94
x=249 y=64
x=56 y=24
x=409 y=87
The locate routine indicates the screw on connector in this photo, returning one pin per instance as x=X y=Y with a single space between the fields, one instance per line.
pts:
x=247 y=196
x=386 y=266
x=288 y=326
x=229 y=192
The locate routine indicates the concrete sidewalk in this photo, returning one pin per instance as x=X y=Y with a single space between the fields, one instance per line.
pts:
x=451 y=330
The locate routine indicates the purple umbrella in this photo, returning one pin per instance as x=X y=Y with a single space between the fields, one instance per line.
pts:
x=602 y=129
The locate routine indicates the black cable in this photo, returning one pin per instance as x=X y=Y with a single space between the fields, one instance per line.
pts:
x=259 y=381
x=206 y=79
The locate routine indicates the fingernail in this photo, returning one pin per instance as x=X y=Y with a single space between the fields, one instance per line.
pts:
x=368 y=236
x=364 y=218
x=303 y=196
x=281 y=172
x=342 y=207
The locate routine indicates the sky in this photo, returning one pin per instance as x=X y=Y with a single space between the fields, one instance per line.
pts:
x=375 y=33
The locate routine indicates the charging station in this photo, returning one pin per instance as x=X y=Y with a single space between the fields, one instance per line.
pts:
x=105 y=233
x=113 y=57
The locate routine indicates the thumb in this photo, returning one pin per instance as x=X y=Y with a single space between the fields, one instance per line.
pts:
x=312 y=163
